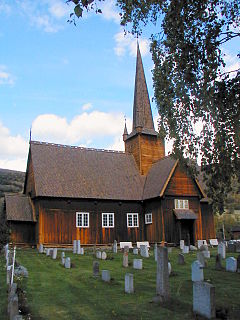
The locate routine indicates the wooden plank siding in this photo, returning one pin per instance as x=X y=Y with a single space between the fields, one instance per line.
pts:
x=57 y=221
x=208 y=228
x=22 y=232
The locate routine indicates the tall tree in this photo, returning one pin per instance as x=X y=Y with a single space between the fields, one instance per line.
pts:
x=191 y=87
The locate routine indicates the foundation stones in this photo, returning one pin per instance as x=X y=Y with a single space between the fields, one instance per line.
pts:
x=204 y=299
x=231 y=264
x=197 y=271
x=129 y=283
x=137 y=264
x=106 y=275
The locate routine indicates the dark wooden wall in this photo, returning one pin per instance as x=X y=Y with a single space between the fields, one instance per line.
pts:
x=57 y=221
x=207 y=221
x=22 y=232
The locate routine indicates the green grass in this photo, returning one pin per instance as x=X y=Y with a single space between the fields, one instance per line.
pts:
x=57 y=293
x=3 y=289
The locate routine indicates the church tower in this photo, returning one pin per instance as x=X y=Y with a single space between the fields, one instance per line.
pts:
x=143 y=142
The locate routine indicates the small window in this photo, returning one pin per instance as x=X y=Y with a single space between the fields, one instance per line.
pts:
x=132 y=220
x=181 y=204
x=108 y=220
x=148 y=218
x=82 y=219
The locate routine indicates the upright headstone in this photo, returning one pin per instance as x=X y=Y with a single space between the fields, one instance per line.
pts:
x=129 y=283
x=135 y=251
x=137 y=264
x=197 y=271
x=238 y=246
x=48 y=252
x=181 y=260
x=98 y=254
x=54 y=254
x=181 y=244
x=95 y=268
x=207 y=254
x=201 y=258
x=78 y=247
x=144 y=251
x=218 y=265
x=155 y=251
x=231 y=264
x=125 y=257
x=162 y=283
x=106 y=275
x=222 y=249
x=231 y=247
x=74 y=246
x=192 y=248
x=63 y=258
x=185 y=249
x=67 y=263
x=169 y=268
x=9 y=274
x=115 y=246
x=238 y=263
x=40 y=249
x=204 y=299
x=104 y=255
x=13 y=307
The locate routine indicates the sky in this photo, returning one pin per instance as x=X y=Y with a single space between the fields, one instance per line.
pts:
x=70 y=84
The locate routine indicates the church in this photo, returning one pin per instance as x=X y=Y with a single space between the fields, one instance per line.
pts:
x=98 y=196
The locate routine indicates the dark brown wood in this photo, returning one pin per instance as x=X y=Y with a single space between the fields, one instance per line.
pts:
x=22 y=232
x=208 y=228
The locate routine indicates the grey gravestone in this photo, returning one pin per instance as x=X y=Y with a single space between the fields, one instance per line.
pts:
x=68 y=263
x=197 y=271
x=222 y=249
x=203 y=247
x=54 y=254
x=169 y=250
x=129 y=283
x=78 y=247
x=238 y=247
x=13 y=307
x=218 y=265
x=231 y=247
x=104 y=255
x=238 y=263
x=181 y=259
x=51 y=252
x=144 y=251
x=98 y=254
x=126 y=249
x=81 y=251
x=201 y=258
x=40 y=250
x=106 y=275
x=125 y=258
x=162 y=283
x=169 y=268
x=21 y=271
x=192 y=248
x=95 y=268
x=48 y=252
x=204 y=299
x=63 y=256
x=135 y=251
x=115 y=246
x=185 y=249
x=181 y=244
x=155 y=251
x=137 y=264
x=74 y=246
x=206 y=254
x=231 y=264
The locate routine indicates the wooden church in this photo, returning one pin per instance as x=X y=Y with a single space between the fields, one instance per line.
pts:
x=99 y=196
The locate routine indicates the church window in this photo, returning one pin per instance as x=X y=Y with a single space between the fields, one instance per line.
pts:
x=108 y=220
x=181 y=204
x=132 y=220
x=148 y=218
x=82 y=219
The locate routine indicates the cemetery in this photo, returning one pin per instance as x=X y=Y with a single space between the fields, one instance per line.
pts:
x=105 y=283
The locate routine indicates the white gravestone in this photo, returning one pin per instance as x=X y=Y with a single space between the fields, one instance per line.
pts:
x=125 y=257
x=54 y=254
x=222 y=249
x=185 y=249
x=231 y=264
x=81 y=251
x=197 y=271
x=74 y=246
x=201 y=243
x=204 y=299
x=162 y=283
x=68 y=263
x=115 y=246
x=206 y=254
x=137 y=264
x=78 y=247
x=98 y=254
x=155 y=251
x=48 y=252
x=144 y=251
x=40 y=250
x=129 y=283
x=169 y=268
x=201 y=258
x=106 y=275
x=135 y=251
x=104 y=255
x=63 y=258
x=181 y=244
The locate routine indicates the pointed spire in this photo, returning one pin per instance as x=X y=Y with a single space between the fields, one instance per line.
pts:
x=125 y=132
x=142 y=113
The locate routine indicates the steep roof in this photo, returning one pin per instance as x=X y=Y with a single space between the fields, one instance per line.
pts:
x=19 y=208
x=75 y=172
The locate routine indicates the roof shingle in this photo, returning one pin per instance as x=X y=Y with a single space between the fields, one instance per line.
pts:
x=18 y=208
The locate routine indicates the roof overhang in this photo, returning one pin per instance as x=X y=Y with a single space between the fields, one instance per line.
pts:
x=184 y=214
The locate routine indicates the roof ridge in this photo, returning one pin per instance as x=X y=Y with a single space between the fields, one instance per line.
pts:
x=76 y=147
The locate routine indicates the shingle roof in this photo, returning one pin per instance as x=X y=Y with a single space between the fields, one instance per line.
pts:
x=185 y=214
x=75 y=172
x=158 y=176
x=18 y=208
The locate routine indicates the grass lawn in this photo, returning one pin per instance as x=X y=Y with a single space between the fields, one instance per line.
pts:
x=54 y=292
x=3 y=289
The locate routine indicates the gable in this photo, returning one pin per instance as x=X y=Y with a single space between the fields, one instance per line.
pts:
x=29 y=185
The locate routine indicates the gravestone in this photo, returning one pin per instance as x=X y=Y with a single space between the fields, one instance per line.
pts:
x=67 y=263
x=197 y=271
x=98 y=254
x=129 y=283
x=218 y=264
x=185 y=249
x=238 y=246
x=13 y=307
x=204 y=299
x=81 y=251
x=203 y=247
x=95 y=268
x=74 y=246
x=125 y=257
x=54 y=254
x=51 y=252
x=106 y=275
x=155 y=251
x=126 y=248
x=181 y=259
x=115 y=246
x=181 y=244
x=137 y=264
x=104 y=255
x=169 y=250
x=78 y=247
x=231 y=264
x=192 y=248
x=200 y=243
x=231 y=247
x=238 y=263
x=9 y=274
x=135 y=251
x=47 y=252
x=206 y=254
x=144 y=251
x=63 y=258
x=40 y=250
x=162 y=283
x=169 y=268
x=222 y=249
x=201 y=258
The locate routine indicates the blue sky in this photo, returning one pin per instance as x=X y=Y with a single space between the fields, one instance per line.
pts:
x=72 y=85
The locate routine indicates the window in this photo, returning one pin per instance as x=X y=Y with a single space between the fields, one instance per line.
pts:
x=181 y=204
x=132 y=220
x=148 y=218
x=108 y=220
x=82 y=219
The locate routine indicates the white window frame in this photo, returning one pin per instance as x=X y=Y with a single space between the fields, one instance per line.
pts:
x=108 y=214
x=148 y=218
x=132 y=216
x=181 y=204
x=82 y=214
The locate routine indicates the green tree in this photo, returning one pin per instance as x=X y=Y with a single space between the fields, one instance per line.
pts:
x=4 y=229
x=190 y=86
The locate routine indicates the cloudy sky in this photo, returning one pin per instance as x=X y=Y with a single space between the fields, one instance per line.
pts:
x=71 y=85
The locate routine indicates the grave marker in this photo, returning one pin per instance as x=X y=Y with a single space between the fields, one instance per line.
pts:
x=106 y=275
x=95 y=268
x=125 y=257
x=135 y=251
x=155 y=251
x=78 y=247
x=67 y=263
x=162 y=283
x=137 y=264
x=63 y=258
x=181 y=244
x=201 y=258
x=115 y=246
x=144 y=251
x=181 y=259
x=185 y=249
x=54 y=254
x=98 y=254
x=74 y=246
x=222 y=249
x=104 y=255
x=129 y=283
x=218 y=264
x=204 y=299
x=40 y=250
x=197 y=271
x=231 y=264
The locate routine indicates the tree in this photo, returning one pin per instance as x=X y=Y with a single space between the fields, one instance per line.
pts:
x=4 y=229
x=190 y=85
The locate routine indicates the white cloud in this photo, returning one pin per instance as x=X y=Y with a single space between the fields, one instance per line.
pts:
x=109 y=11
x=5 y=77
x=59 y=9
x=5 y=8
x=87 y=106
x=128 y=44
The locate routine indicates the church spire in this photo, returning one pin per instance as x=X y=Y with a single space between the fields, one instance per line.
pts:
x=125 y=132
x=142 y=114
